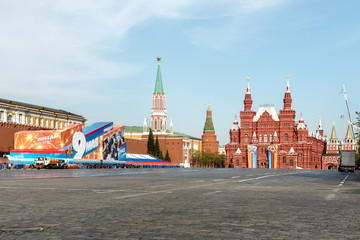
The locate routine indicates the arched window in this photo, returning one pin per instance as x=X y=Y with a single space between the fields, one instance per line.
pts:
x=286 y=137
x=156 y=124
x=260 y=138
x=246 y=138
x=300 y=138
x=9 y=118
x=284 y=159
x=270 y=140
x=265 y=138
x=300 y=158
x=291 y=162
x=237 y=162
x=234 y=139
x=243 y=160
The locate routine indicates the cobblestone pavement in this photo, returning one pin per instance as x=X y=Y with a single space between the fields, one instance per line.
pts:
x=179 y=204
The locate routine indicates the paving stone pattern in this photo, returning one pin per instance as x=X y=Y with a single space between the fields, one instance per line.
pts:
x=179 y=204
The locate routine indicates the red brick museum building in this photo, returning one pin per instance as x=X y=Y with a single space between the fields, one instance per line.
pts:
x=266 y=129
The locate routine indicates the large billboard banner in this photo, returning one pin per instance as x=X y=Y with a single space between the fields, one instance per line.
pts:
x=72 y=142
x=46 y=139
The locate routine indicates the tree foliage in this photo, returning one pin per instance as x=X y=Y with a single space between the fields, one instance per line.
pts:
x=205 y=159
x=157 y=151
x=150 y=143
x=167 y=157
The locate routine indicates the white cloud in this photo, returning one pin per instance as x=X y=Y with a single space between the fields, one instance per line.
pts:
x=61 y=47
x=45 y=45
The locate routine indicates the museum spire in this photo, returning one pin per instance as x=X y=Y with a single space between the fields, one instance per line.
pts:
x=287 y=97
x=248 y=101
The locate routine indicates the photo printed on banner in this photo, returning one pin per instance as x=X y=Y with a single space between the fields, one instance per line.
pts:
x=111 y=145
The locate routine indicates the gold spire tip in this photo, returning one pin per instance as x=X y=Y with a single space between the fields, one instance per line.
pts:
x=248 y=77
x=319 y=116
x=333 y=123
x=287 y=76
x=300 y=114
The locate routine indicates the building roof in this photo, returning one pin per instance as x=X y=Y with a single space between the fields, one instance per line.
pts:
x=177 y=134
x=349 y=133
x=209 y=126
x=269 y=109
x=333 y=132
x=235 y=124
x=238 y=151
x=37 y=107
x=137 y=129
x=158 y=83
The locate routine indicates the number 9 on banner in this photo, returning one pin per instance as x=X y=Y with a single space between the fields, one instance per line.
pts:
x=79 y=143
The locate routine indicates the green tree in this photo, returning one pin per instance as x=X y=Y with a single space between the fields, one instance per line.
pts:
x=220 y=161
x=167 y=157
x=207 y=159
x=161 y=155
x=157 y=151
x=150 y=143
x=196 y=159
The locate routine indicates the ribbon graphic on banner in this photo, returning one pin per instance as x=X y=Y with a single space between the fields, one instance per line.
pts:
x=252 y=156
x=272 y=152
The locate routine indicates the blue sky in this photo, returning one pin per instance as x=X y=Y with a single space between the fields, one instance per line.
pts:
x=98 y=58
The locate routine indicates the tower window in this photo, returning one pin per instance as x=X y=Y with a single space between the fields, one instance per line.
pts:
x=246 y=138
x=265 y=138
x=286 y=137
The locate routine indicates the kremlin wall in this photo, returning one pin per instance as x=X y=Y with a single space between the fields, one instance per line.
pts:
x=262 y=139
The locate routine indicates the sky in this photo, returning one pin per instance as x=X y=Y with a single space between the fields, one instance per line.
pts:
x=98 y=58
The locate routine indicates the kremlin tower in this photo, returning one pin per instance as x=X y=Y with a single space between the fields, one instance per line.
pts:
x=158 y=111
x=209 y=143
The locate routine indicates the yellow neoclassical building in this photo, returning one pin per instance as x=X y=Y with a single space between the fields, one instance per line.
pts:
x=34 y=115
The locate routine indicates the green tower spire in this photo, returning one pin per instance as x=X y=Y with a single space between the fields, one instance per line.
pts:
x=209 y=126
x=158 y=83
